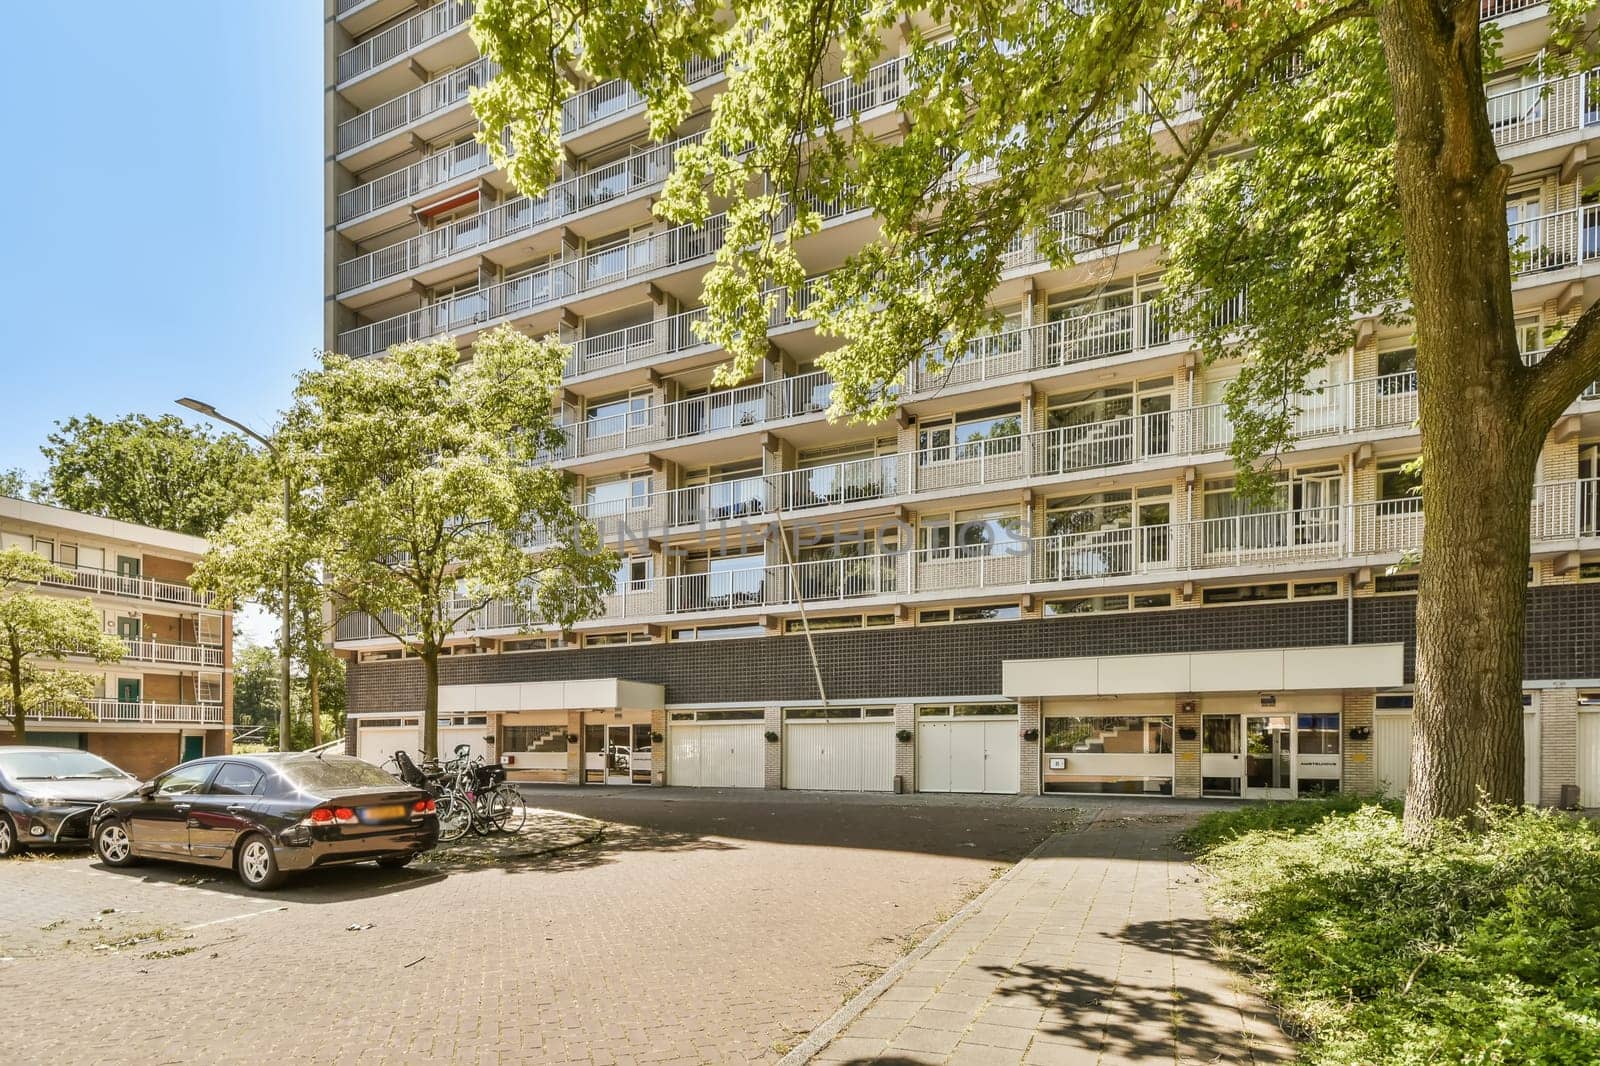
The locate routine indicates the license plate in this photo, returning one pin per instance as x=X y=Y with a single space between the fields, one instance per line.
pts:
x=387 y=813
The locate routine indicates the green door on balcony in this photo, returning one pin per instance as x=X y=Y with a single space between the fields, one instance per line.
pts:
x=193 y=748
x=127 y=690
x=128 y=628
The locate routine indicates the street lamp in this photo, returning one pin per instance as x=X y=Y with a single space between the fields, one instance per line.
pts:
x=283 y=658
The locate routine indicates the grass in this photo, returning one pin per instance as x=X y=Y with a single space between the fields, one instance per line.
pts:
x=1480 y=948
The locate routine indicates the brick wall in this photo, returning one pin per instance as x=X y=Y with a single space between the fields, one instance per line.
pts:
x=143 y=755
x=964 y=660
x=905 y=751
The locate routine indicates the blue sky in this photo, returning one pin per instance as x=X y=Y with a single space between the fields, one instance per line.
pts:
x=163 y=231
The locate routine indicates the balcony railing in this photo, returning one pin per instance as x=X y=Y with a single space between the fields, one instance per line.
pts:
x=441 y=93
x=515 y=217
x=144 y=712
x=109 y=583
x=402 y=37
x=173 y=654
x=1556 y=241
x=441 y=167
x=1544 y=108
x=1493 y=9
x=1566 y=510
x=611 y=98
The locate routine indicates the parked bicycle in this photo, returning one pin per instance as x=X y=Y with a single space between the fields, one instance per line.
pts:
x=470 y=794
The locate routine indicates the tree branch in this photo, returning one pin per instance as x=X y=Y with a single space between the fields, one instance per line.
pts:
x=1570 y=367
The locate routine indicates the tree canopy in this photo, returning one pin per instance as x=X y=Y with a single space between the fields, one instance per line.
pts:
x=160 y=472
x=1330 y=160
x=38 y=630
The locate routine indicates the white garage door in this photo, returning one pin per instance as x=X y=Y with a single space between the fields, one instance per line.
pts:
x=474 y=736
x=1392 y=744
x=716 y=754
x=1589 y=758
x=376 y=743
x=967 y=751
x=849 y=751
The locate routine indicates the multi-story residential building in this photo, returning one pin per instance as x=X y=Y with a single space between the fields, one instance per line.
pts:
x=170 y=698
x=1035 y=577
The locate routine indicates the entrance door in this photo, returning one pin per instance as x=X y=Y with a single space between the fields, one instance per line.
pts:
x=619 y=755
x=127 y=690
x=1269 y=756
x=193 y=748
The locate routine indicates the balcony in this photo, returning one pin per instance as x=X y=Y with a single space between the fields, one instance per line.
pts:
x=440 y=168
x=1545 y=108
x=167 y=653
x=142 y=712
x=402 y=37
x=107 y=583
x=440 y=94
x=516 y=217
x=1556 y=241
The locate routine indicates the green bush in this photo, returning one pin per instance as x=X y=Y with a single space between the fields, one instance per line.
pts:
x=1481 y=947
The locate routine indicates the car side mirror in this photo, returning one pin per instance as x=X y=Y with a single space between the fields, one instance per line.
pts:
x=147 y=790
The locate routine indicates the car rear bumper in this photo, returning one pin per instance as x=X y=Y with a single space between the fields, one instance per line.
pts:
x=364 y=848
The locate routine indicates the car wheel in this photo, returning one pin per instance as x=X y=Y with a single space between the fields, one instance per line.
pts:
x=112 y=844
x=256 y=864
x=395 y=862
x=9 y=843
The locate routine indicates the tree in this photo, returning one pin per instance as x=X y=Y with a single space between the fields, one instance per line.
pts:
x=255 y=696
x=159 y=472
x=1340 y=157
x=36 y=629
x=16 y=483
x=421 y=475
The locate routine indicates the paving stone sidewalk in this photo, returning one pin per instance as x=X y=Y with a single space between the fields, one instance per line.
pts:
x=1095 y=951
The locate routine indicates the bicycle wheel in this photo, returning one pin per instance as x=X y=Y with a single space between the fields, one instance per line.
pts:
x=455 y=817
x=505 y=811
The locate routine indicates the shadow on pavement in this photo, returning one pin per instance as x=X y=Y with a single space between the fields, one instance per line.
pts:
x=332 y=884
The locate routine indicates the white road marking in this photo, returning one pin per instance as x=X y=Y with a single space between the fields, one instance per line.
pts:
x=234 y=918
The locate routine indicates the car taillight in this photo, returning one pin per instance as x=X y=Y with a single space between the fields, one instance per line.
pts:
x=321 y=816
x=332 y=816
x=344 y=816
x=424 y=806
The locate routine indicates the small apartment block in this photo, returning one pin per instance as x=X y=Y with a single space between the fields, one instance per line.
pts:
x=1034 y=576
x=170 y=698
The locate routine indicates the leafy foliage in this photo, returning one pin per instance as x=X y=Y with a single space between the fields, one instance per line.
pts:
x=255 y=695
x=37 y=629
x=1476 y=948
x=159 y=472
x=16 y=483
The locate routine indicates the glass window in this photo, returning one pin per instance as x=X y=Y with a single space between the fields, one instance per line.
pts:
x=1147 y=600
x=984 y=710
x=718 y=632
x=1108 y=755
x=1244 y=593
x=1316 y=588
x=534 y=738
x=1086 y=605
x=332 y=771
x=800 y=713
x=1319 y=734
x=990 y=612
x=1119 y=735
x=1219 y=734
x=1402 y=582
x=64 y=764
x=236 y=779
x=187 y=780
x=641 y=736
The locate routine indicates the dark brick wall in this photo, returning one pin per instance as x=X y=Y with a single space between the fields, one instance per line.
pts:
x=933 y=661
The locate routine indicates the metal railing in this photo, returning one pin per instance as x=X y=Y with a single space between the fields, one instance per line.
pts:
x=1566 y=510
x=1493 y=9
x=173 y=654
x=443 y=92
x=1542 y=108
x=1555 y=241
x=402 y=37
x=611 y=98
x=100 y=709
x=516 y=217
x=439 y=168
x=110 y=583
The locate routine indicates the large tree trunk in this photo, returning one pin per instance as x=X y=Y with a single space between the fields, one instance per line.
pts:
x=1479 y=449
x=430 y=701
x=19 y=716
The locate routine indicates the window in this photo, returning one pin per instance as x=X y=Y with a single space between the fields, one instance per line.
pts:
x=1244 y=593
x=968 y=710
x=615 y=415
x=185 y=780
x=838 y=621
x=630 y=636
x=970 y=435
x=1406 y=581
x=628 y=492
x=1589 y=570
x=742 y=715
x=550 y=739
x=718 y=632
x=532 y=644
x=1397 y=372
x=633 y=574
x=1399 y=479
x=969 y=534
x=381 y=656
x=211 y=630
x=1307 y=589
x=1108 y=754
x=236 y=779
x=209 y=688
x=1393 y=701
x=1318 y=734
x=993 y=612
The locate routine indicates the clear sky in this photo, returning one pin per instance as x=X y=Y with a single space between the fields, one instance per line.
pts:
x=162 y=184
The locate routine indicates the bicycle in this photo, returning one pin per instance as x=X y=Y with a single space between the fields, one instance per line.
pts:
x=454 y=810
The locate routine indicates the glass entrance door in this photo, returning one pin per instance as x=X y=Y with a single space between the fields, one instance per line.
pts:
x=619 y=755
x=1269 y=756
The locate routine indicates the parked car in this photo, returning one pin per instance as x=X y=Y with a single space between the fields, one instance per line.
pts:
x=48 y=794
x=267 y=816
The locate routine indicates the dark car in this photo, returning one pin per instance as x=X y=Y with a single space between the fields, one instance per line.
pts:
x=48 y=794
x=268 y=816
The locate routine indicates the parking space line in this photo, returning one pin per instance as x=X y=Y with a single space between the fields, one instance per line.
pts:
x=234 y=918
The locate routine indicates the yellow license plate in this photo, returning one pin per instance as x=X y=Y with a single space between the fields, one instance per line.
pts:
x=386 y=813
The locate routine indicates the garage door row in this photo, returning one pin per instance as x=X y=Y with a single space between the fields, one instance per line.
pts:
x=959 y=748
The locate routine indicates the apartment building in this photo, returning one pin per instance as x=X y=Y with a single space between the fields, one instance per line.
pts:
x=1034 y=577
x=170 y=698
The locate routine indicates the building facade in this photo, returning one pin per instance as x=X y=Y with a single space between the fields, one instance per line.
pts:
x=170 y=698
x=1034 y=577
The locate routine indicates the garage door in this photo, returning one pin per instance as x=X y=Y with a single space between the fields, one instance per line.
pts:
x=851 y=749
x=474 y=735
x=716 y=752
x=968 y=748
x=1392 y=756
x=376 y=743
x=1589 y=758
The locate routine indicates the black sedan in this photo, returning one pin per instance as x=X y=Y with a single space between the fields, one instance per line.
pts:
x=48 y=794
x=269 y=815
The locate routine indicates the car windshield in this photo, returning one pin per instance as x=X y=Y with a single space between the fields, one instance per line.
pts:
x=311 y=772
x=62 y=765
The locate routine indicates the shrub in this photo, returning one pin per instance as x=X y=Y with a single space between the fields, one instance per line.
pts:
x=1481 y=947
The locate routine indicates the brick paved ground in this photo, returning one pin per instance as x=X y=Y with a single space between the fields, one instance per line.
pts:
x=698 y=930
x=1095 y=952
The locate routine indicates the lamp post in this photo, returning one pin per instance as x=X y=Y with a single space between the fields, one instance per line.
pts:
x=283 y=656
